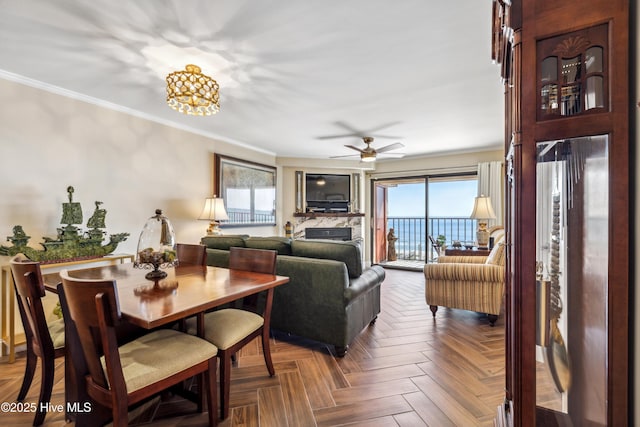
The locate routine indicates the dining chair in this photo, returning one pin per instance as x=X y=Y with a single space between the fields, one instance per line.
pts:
x=121 y=376
x=45 y=340
x=190 y=254
x=230 y=329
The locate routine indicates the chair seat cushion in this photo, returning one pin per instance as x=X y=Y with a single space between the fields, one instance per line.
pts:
x=56 y=330
x=159 y=355
x=228 y=326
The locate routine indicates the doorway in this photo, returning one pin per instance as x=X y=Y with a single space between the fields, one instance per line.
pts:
x=416 y=208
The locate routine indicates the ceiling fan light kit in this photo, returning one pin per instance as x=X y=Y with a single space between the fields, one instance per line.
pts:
x=191 y=92
x=367 y=157
x=370 y=154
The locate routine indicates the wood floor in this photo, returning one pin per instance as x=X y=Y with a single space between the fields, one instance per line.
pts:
x=406 y=370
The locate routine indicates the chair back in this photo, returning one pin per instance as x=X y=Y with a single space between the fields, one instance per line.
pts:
x=29 y=287
x=189 y=254
x=255 y=260
x=93 y=307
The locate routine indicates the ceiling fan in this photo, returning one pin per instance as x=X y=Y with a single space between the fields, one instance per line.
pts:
x=369 y=154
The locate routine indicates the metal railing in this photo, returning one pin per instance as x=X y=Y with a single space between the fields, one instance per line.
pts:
x=245 y=217
x=412 y=232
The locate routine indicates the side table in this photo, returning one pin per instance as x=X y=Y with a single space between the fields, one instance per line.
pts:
x=8 y=296
x=467 y=252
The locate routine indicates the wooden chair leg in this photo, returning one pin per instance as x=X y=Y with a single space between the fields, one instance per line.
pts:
x=225 y=383
x=266 y=349
x=29 y=371
x=210 y=384
x=120 y=412
x=45 y=390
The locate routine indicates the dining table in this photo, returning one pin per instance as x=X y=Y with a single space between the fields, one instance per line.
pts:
x=148 y=304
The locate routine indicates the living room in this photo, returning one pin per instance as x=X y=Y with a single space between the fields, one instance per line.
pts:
x=52 y=138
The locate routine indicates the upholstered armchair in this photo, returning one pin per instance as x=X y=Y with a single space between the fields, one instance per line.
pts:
x=474 y=283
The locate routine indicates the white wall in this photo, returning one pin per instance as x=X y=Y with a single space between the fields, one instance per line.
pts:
x=48 y=142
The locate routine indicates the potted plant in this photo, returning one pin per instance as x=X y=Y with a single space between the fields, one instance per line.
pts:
x=441 y=242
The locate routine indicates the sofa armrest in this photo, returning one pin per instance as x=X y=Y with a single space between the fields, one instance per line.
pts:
x=461 y=272
x=370 y=277
x=466 y=259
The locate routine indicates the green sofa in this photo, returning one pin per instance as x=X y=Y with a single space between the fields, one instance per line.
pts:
x=330 y=297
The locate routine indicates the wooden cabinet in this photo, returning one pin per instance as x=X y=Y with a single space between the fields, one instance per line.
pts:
x=566 y=72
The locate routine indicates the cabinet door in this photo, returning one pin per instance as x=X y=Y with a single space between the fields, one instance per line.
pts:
x=572 y=226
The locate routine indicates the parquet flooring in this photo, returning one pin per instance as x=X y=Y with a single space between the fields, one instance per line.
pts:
x=406 y=370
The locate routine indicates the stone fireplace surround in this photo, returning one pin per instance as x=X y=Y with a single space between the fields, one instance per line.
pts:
x=353 y=221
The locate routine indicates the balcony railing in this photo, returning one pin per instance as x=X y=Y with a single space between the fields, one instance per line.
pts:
x=412 y=232
x=245 y=217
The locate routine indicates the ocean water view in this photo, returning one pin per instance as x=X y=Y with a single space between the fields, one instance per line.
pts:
x=412 y=233
x=450 y=203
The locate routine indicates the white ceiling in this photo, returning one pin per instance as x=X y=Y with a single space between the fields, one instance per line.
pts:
x=291 y=72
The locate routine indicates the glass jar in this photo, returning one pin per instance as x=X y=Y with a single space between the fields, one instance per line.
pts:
x=156 y=246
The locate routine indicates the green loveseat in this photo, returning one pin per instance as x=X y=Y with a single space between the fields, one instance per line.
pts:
x=330 y=298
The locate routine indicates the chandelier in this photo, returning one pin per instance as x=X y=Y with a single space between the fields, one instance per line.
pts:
x=191 y=92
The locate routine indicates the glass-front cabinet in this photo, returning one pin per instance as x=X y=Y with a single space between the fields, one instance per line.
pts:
x=572 y=223
x=568 y=232
x=571 y=76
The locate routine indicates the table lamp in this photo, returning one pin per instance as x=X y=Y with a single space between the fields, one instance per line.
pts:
x=213 y=212
x=483 y=212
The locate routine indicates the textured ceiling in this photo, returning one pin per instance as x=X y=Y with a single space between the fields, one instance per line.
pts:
x=292 y=73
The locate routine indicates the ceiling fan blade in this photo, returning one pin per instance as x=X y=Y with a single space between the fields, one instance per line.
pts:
x=347 y=135
x=382 y=126
x=387 y=136
x=354 y=148
x=348 y=155
x=390 y=147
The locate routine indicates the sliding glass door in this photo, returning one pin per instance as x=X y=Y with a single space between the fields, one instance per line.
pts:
x=416 y=208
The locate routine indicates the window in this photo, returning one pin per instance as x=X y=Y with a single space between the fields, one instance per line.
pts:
x=248 y=190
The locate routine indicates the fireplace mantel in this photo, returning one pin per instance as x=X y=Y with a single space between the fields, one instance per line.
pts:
x=327 y=214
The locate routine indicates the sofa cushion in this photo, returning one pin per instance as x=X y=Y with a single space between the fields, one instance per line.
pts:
x=347 y=252
x=497 y=254
x=224 y=242
x=280 y=244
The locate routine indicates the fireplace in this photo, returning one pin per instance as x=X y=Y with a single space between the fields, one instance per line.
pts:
x=331 y=233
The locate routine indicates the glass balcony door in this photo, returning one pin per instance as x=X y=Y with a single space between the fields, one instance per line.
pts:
x=419 y=207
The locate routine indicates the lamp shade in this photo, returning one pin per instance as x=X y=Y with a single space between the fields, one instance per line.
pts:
x=482 y=208
x=214 y=210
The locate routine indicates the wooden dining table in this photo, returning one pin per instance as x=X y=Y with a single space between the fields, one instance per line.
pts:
x=185 y=292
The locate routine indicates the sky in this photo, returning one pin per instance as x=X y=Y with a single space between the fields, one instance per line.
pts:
x=446 y=199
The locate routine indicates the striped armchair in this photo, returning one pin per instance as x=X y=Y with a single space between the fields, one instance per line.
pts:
x=473 y=283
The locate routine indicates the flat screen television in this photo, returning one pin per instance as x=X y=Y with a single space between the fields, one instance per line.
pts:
x=328 y=192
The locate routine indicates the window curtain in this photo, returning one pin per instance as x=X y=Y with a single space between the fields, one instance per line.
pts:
x=491 y=183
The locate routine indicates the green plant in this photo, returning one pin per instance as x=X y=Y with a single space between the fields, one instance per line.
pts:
x=441 y=239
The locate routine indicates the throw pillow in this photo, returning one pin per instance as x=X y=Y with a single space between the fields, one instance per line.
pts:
x=497 y=254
